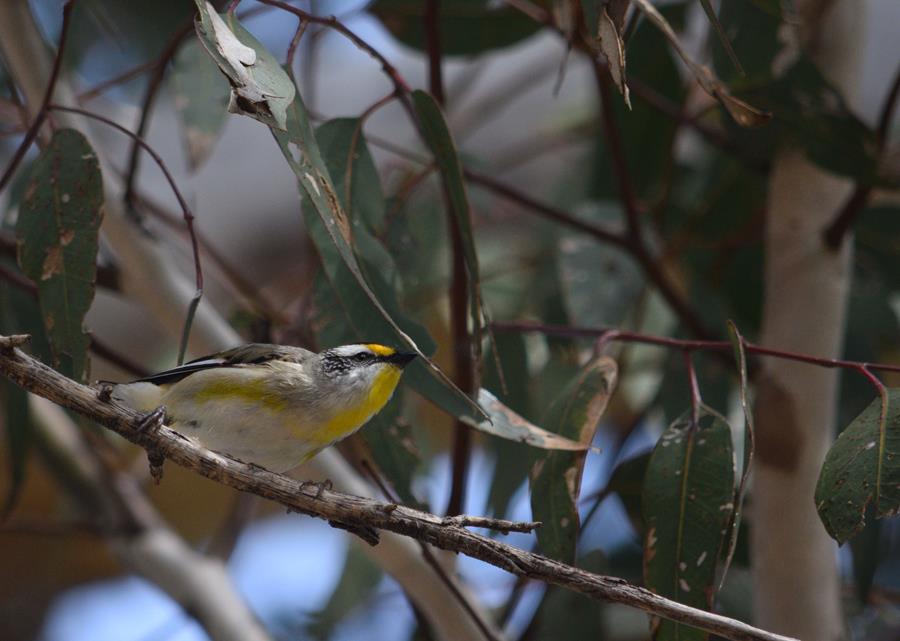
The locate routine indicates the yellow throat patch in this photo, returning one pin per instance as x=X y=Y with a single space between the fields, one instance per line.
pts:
x=352 y=418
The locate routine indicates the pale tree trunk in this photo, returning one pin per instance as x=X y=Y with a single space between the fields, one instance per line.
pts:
x=796 y=587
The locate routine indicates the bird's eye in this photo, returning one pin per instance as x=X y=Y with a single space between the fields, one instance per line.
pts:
x=362 y=357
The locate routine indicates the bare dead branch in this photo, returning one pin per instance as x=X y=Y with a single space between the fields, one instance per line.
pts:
x=353 y=511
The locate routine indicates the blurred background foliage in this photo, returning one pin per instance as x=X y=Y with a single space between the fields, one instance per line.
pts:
x=524 y=115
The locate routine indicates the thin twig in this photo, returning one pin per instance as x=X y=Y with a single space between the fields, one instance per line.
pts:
x=185 y=210
x=351 y=510
x=153 y=86
x=41 y=115
x=605 y=335
x=432 y=562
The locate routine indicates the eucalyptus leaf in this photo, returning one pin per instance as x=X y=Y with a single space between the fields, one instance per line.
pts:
x=57 y=232
x=437 y=136
x=862 y=468
x=260 y=88
x=201 y=98
x=556 y=476
x=687 y=503
x=297 y=143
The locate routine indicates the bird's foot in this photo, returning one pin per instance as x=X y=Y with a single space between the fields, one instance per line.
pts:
x=148 y=424
x=104 y=391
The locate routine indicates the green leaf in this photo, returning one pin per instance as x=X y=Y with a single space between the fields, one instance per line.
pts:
x=334 y=243
x=720 y=32
x=556 y=476
x=687 y=503
x=862 y=467
x=437 y=136
x=508 y=425
x=58 y=238
x=260 y=88
x=467 y=26
x=201 y=98
x=646 y=134
x=357 y=183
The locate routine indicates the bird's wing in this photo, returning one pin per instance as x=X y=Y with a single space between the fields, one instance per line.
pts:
x=250 y=354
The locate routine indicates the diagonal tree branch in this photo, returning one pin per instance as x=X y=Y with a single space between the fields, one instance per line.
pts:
x=354 y=511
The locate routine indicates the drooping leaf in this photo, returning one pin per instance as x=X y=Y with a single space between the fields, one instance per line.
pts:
x=57 y=234
x=357 y=183
x=507 y=424
x=301 y=151
x=260 y=88
x=605 y=22
x=511 y=460
x=862 y=467
x=556 y=476
x=201 y=98
x=742 y=112
x=646 y=134
x=740 y=356
x=687 y=503
x=720 y=32
x=437 y=136
x=467 y=26
x=751 y=28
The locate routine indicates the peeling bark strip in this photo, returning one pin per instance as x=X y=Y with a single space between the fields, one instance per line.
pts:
x=357 y=511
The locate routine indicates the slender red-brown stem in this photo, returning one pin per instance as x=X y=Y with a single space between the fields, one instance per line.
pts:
x=153 y=86
x=41 y=115
x=605 y=336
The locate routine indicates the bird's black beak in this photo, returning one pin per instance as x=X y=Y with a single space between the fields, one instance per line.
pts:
x=401 y=359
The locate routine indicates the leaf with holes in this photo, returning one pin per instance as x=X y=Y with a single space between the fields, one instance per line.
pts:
x=201 y=98
x=556 y=476
x=260 y=88
x=687 y=503
x=862 y=467
x=57 y=235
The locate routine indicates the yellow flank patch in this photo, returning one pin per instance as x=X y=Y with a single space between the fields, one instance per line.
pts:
x=256 y=392
x=381 y=350
x=351 y=418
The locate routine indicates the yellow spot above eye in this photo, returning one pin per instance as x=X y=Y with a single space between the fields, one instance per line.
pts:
x=381 y=350
x=351 y=418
